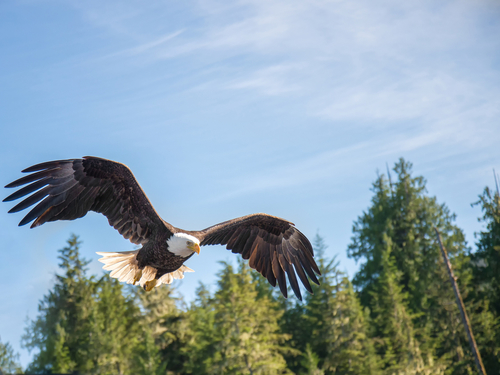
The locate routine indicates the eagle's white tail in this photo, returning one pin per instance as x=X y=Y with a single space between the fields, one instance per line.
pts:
x=123 y=266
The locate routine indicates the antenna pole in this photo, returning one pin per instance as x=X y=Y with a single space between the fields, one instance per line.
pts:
x=461 y=307
x=496 y=182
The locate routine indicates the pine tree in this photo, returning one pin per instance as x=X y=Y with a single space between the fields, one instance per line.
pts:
x=398 y=344
x=9 y=361
x=320 y=307
x=408 y=216
x=167 y=326
x=350 y=348
x=336 y=324
x=330 y=328
x=403 y=213
x=117 y=332
x=294 y=324
x=310 y=363
x=200 y=350
x=86 y=325
x=244 y=336
x=62 y=330
x=485 y=293
x=486 y=258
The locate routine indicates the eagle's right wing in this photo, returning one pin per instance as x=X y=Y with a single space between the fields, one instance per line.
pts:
x=68 y=189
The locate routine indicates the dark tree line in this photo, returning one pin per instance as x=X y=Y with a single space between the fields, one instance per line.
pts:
x=397 y=316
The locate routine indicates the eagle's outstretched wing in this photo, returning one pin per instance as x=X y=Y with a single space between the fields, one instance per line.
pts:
x=273 y=246
x=68 y=189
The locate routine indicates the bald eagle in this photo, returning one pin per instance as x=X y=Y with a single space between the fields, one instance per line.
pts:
x=68 y=189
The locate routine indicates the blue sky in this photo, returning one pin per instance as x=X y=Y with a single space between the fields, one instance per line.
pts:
x=222 y=109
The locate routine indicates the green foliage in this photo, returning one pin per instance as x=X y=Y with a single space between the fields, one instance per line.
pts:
x=486 y=259
x=330 y=328
x=405 y=214
x=86 y=325
x=243 y=332
x=351 y=349
x=485 y=266
x=310 y=363
x=337 y=322
x=9 y=361
x=166 y=324
x=200 y=349
x=403 y=217
x=62 y=331
x=396 y=337
x=117 y=332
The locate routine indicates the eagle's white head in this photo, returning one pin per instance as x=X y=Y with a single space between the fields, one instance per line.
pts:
x=183 y=244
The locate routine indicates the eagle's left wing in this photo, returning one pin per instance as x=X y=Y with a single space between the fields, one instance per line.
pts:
x=273 y=246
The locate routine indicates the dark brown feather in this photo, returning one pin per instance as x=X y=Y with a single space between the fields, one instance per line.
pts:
x=53 y=173
x=273 y=247
x=269 y=269
x=293 y=280
x=302 y=276
x=279 y=273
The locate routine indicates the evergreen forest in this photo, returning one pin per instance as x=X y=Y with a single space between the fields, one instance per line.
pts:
x=397 y=316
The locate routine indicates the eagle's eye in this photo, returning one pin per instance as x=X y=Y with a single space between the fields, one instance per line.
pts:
x=189 y=243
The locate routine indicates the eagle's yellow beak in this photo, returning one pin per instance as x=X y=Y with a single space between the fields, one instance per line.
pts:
x=194 y=247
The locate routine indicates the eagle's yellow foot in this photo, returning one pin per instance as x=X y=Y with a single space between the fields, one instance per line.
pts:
x=149 y=285
x=137 y=277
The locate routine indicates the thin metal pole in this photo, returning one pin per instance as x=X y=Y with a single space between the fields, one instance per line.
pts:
x=496 y=181
x=461 y=307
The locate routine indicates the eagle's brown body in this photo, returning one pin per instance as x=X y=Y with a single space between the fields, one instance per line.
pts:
x=156 y=254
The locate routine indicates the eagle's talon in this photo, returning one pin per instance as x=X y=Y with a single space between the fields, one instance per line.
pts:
x=137 y=277
x=149 y=285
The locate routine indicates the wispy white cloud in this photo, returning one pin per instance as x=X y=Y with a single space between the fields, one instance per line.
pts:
x=376 y=66
x=307 y=171
x=361 y=61
x=148 y=46
x=272 y=80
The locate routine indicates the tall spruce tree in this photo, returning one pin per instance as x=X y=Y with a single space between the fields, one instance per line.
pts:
x=117 y=331
x=200 y=349
x=85 y=325
x=62 y=330
x=245 y=337
x=167 y=324
x=338 y=332
x=248 y=337
x=330 y=328
x=485 y=290
x=310 y=363
x=351 y=349
x=396 y=337
x=486 y=258
x=402 y=212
